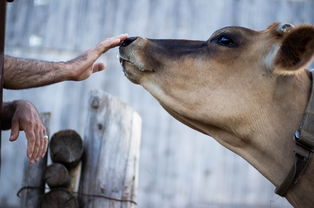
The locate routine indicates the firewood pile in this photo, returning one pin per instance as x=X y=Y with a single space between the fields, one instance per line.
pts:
x=62 y=176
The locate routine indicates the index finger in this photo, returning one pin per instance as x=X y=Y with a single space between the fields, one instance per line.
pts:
x=31 y=144
x=111 y=42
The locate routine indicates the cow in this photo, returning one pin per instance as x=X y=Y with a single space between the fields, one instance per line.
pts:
x=247 y=89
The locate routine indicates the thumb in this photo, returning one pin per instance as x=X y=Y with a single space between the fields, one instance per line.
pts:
x=98 y=67
x=15 y=130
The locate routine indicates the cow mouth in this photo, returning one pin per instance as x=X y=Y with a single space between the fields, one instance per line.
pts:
x=139 y=66
x=122 y=60
x=131 y=69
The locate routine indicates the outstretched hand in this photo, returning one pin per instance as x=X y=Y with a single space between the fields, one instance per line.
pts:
x=83 y=66
x=27 y=119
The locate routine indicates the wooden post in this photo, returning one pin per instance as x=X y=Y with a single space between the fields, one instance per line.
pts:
x=33 y=186
x=111 y=160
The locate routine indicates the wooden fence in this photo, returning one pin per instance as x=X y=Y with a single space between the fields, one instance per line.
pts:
x=109 y=173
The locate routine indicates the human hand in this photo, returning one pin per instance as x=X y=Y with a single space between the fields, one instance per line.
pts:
x=83 y=66
x=27 y=119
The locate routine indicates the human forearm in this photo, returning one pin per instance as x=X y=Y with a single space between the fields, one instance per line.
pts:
x=26 y=73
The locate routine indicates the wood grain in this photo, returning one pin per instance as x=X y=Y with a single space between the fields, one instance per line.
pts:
x=112 y=146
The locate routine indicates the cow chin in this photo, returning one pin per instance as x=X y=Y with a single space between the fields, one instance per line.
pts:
x=131 y=71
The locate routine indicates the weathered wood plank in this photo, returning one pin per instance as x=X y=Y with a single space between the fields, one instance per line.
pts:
x=33 y=181
x=112 y=144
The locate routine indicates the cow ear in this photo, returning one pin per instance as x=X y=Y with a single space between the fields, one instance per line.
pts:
x=296 y=50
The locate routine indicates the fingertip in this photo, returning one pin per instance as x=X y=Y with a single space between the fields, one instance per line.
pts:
x=101 y=66
x=13 y=137
x=29 y=155
x=13 y=140
x=98 y=67
x=124 y=36
x=29 y=158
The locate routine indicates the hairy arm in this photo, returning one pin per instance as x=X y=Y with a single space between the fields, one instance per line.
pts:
x=26 y=73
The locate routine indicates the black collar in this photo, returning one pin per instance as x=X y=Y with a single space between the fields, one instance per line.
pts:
x=304 y=147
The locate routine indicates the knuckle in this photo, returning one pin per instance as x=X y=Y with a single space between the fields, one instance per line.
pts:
x=29 y=122
x=15 y=119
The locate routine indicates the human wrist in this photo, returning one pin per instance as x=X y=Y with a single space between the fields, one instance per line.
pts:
x=62 y=72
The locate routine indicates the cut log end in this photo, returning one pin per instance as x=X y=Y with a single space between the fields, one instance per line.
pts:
x=66 y=147
x=56 y=175
x=59 y=198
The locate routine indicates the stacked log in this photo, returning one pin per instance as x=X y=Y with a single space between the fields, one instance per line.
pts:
x=57 y=175
x=62 y=176
x=66 y=147
x=59 y=198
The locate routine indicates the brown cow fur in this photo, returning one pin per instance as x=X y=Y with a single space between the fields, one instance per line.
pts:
x=247 y=89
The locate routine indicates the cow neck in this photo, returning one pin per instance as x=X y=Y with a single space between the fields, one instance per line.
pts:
x=304 y=147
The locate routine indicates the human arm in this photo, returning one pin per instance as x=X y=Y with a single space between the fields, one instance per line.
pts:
x=21 y=115
x=26 y=73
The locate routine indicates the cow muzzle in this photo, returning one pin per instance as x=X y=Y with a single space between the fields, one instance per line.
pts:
x=132 y=58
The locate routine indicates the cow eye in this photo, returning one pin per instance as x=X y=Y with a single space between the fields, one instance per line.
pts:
x=224 y=41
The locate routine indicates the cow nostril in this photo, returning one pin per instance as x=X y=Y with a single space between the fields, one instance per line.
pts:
x=128 y=41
